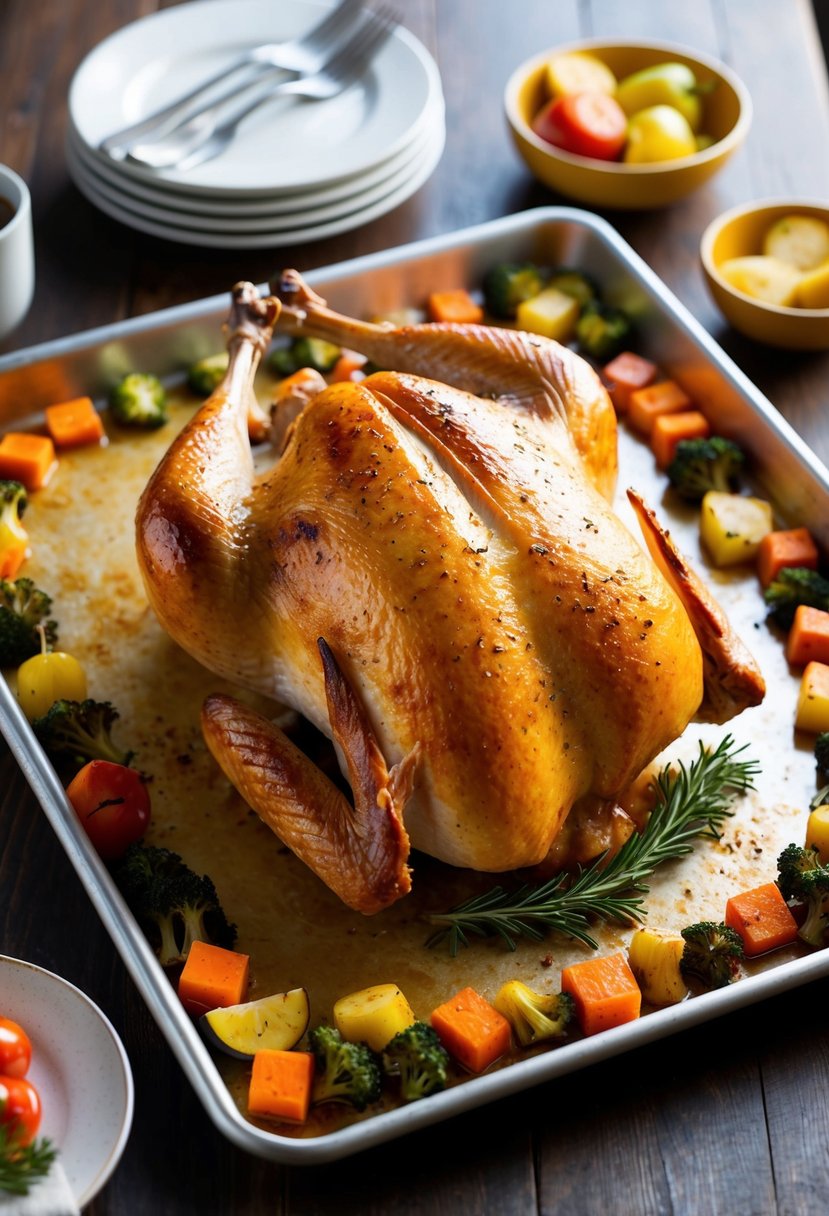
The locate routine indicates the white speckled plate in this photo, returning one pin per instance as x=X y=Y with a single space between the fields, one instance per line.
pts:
x=79 y=1068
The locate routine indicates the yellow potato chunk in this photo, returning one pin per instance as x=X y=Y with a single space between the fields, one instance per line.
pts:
x=578 y=72
x=373 y=1015
x=813 y=699
x=654 y=959
x=732 y=526
x=551 y=313
x=813 y=288
x=817 y=832
x=800 y=240
x=763 y=278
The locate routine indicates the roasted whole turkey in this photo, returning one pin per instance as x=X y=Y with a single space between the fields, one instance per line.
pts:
x=431 y=573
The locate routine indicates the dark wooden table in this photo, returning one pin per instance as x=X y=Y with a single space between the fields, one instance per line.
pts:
x=729 y=1118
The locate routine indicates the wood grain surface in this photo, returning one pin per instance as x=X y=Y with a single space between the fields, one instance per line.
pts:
x=731 y=1117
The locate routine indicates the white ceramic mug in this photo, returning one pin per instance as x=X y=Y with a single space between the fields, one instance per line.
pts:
x=17 y=252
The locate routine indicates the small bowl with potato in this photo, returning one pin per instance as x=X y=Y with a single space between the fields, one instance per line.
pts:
x=626 y=125
x=767 y=268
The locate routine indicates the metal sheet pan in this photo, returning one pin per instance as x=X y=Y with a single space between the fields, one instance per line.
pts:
x=165 y=342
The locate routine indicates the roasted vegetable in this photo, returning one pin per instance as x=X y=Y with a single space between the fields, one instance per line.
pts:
x=22 y=608
x=801 y=877
x=345 y=1072
x=712 y=954
x=795 y=585
x=80 y=731
x=418 y=1058
x=602 y=331
x=534 y=1016
x=507 y=285
x=822 y=751
x=139 y=400
x=14 y=538
x=206 y=374
x=304 y=352
x=577 y=284
x=700 y=465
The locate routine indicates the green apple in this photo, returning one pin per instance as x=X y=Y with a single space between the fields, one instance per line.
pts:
x=668 y=84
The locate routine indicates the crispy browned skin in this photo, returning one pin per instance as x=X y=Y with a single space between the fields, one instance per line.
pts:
x=485 y=609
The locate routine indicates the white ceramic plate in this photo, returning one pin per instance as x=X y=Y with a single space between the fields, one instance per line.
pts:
x=285 y=145
x=79 y=1068
x=190 y=232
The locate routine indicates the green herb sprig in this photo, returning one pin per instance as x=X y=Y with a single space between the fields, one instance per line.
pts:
x=22 y=1165
x=692 y=802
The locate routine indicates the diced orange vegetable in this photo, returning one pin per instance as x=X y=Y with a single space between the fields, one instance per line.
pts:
x=813 y=699
x=280 y=1085
x=73 y=423
x=347 y=367
x=669 y=429
x=624 y=375
x=456 y=305
x=604 y=990
x=472 y=1030
x=762 y=918
x=27 y=458
x=14 y=544
x=212 y=978
x=808 y=637
x=793 y=547
x=645 y=404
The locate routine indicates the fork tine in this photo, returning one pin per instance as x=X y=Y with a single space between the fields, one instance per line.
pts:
x=357 y=53
x=338 y=18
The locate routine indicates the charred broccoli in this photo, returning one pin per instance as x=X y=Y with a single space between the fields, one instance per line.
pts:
x=534 y=1016
x=304 y=352
x=173 y=905
x=577 y=284
x=602 y=331
x=700 y=465
x=712 y=954
x=417 y=1056
x=345 y=1072
x=822 y=751
x=22 y=608
x=801 y=877
x=792 y=586
x=507 y=285
x=80 y=731
x=139 y=400
x=206 y=374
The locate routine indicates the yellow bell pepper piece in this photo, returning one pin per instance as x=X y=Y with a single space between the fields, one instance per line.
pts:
x=732 y=526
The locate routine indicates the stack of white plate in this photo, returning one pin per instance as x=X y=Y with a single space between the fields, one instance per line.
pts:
x=296 y=171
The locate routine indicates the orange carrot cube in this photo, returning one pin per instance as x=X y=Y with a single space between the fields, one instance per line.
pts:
x=73 y=423
x=27 y=458
x=472 y=1030
x=762 y=918
x=280 y=1085
x=646 y=404
x=624 y=375
x=605 y=992
x=349 y=366
x=454 y=305
x=808 y=637
x=212 y=978
x=670 y=429
x=792 y=547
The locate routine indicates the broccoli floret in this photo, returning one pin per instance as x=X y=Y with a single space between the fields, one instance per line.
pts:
x=304 y=352
x=345 y=1072
x=577 y=284
x=602 y=331
x=822 y=751
x=173 y=904
x=139 y=400
x=507 y=285
x=801 y=876
x=80 y=731
x=534 y=1016
x=13 y=502
x=792 y=586
x=712 y=954
x=206 y=374
x=700 y=465
x=22 y=608
x=417 y=1056
x=13 y=536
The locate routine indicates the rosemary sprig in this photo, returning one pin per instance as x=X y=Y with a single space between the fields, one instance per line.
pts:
x=691 y=802
x=22 y=1165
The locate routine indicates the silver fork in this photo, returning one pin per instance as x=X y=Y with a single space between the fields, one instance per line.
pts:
x=208 y=134
x=303 y=56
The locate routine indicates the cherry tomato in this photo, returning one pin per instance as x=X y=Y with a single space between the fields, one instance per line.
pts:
x=589 y=124
x=113 y=805
x=15 y=1049
x=20 y=1107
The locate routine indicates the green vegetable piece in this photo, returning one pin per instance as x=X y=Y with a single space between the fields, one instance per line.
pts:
x=700 y=465
x=417 y=1056
x=315 y=353
x=577 y=284
x=801 y=876
x=22 y=608
x=602 y=331
x=822 y=751
x=139 y=400
x=345 y=1072
x=712 y=954
x=282 y=361
x=535 y=1016
x=204 y=376
x=507 y=285
x=23 y=1165
x=670 y=84
x=795 y=585
x=80 y=731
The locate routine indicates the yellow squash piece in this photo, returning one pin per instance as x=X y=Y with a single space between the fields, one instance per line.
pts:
x=800 y=240
x=551 y=313
x=373 y=1015
x=732 y=526
x=813 y=699
x=578 y=72
x=813 y=289
x=273 y=1023
x=654 y=959
x=817 y=832
x=763 y=278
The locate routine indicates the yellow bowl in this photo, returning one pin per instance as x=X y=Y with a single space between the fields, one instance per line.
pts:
x=738 y=233
x=727 y=117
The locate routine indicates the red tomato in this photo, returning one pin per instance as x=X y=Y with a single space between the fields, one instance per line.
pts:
x=20 y=1107
x=589 y=124
x=113 y=805
x=15 y=1049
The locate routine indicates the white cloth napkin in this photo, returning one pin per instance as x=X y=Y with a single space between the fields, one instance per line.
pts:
x=52 y=1196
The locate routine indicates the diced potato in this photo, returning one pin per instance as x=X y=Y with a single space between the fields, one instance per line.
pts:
x=762 y=278
x=551 y=313
x=373 y=1015
x=578 y=72
x=654 y=959
x=800 y=240
x=813 y=699
x=732 y=526
x=817 y=832
x=813 y=288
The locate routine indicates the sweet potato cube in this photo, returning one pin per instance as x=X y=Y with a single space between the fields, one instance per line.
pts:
x=624 y=375
x=646 y=404
x=74 y=423
x=280 y=1085
x=27 y=458
x=454 y=305
x=670 y=429
x=762 y=918
x=813 y=699
x=472 y=1030
x=790 y=547
x=605 y=992
x=212 y=978
x=808 y=637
